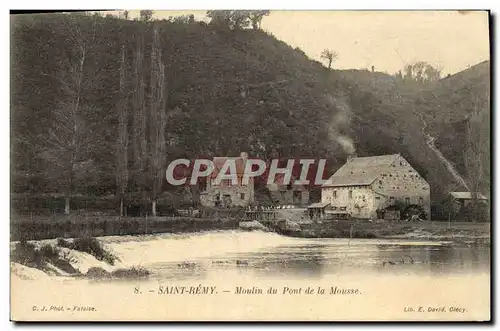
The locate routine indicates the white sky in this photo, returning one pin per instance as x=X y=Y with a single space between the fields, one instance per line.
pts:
x=385 y=39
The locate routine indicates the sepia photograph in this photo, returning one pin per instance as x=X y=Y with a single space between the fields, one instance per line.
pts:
x=250 y=165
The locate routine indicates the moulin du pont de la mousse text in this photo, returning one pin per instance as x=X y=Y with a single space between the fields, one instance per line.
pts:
x=239 y=290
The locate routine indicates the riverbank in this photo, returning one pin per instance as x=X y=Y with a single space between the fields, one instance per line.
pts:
x=431 y=230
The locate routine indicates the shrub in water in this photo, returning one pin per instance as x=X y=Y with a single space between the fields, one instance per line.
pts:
x=134 y=272
x=97 y=272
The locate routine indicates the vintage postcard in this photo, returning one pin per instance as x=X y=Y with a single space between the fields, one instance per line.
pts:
x=250 y=165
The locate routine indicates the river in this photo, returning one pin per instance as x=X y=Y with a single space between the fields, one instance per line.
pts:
x=383 y=271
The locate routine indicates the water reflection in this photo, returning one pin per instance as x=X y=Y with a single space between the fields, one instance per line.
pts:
x=319 y=259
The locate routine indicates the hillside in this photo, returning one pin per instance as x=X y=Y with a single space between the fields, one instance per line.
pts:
x=453 y=111
x=458 y=113
x=224 y=92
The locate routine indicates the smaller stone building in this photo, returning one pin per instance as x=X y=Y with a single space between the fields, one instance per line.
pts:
x=226 y=194
x=468 y=206
x=288 y=193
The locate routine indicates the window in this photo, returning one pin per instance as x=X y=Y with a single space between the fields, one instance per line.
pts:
x=342 y=208
x=335 y=194
x=203 y=185
x=421 y=201
x=350 y=194
x=377 y=198
x=407 y=200
x=380 y=182
x=242 y=196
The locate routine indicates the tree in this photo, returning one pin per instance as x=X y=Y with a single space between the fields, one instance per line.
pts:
x=122 y=135
x=418 y=71
x=146 y=15
x=256 y=17
x=422 y=72
x=157 y=120
x=182 y=19
x=139 y=142
x=329 y=56
x=477 y=150
x=65 y=146
x=432 y=74
x=220 y=18
x=408 y=72
x=399 y=74
x=229 y=19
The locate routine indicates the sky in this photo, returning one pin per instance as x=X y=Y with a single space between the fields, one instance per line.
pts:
x=387 y=40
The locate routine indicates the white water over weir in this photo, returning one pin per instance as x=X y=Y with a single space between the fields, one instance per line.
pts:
x=430 y=142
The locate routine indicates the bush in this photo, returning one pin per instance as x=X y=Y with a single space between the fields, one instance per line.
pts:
x=63 y=243
x=93 y=247
x=49 y=252
x=134 y=272
x=97 y=272
x=26 y=254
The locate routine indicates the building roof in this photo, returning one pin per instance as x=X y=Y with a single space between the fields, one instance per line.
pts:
x=466 y=196
x=219 y=163
x=361 y=170
x=318 y=205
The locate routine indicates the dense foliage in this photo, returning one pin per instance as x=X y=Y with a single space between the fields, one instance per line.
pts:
x=93 y=100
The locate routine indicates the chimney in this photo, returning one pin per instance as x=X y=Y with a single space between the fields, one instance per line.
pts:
x=351 y=157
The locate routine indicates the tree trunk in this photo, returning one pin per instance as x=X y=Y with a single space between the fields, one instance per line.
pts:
x=66 y=206
x=122 y=136
x=139 y=141
x=153 y=208
x=157 y=119
x=121 y=206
